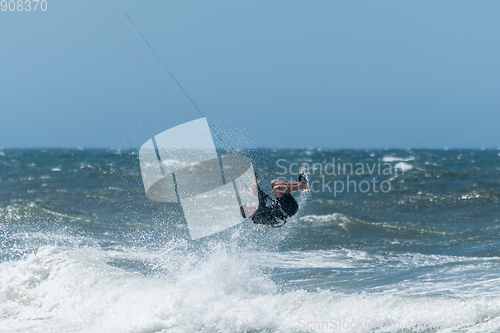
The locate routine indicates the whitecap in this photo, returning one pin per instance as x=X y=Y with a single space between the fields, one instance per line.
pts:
x=325 y=218
x=397 y=159
x=403 y=166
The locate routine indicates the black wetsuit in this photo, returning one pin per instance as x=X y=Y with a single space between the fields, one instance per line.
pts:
x=274 y=212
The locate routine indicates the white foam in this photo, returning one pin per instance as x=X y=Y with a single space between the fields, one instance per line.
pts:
x=221 y=291
x=301 y=259
x=57 y=290
x=403 y=166
x=397 y=159
x=324 y=218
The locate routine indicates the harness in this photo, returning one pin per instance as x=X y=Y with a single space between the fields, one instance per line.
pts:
x=270 y=202
x=278 y=220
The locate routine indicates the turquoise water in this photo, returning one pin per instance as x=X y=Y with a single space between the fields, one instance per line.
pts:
x=409 y=242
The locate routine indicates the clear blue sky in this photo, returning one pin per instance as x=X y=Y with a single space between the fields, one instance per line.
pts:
x=330 y=74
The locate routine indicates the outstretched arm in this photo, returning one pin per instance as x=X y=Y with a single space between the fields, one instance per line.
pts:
x=282 y=187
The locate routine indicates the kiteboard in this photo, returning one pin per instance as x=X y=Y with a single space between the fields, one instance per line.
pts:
x=182 y=165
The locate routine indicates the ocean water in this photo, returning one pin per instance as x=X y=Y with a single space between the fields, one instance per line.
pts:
x=386 y=241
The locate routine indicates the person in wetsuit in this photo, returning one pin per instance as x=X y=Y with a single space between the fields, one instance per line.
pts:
x=275 y=212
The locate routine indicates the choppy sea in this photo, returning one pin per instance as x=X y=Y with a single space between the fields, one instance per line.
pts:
x=386 y=241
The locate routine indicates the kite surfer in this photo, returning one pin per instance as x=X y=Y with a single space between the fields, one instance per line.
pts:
x=274 y=212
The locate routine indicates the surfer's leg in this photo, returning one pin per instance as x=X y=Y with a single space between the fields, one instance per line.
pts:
x=282 y=187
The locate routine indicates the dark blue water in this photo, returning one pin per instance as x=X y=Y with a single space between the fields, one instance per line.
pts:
x=387 y=240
